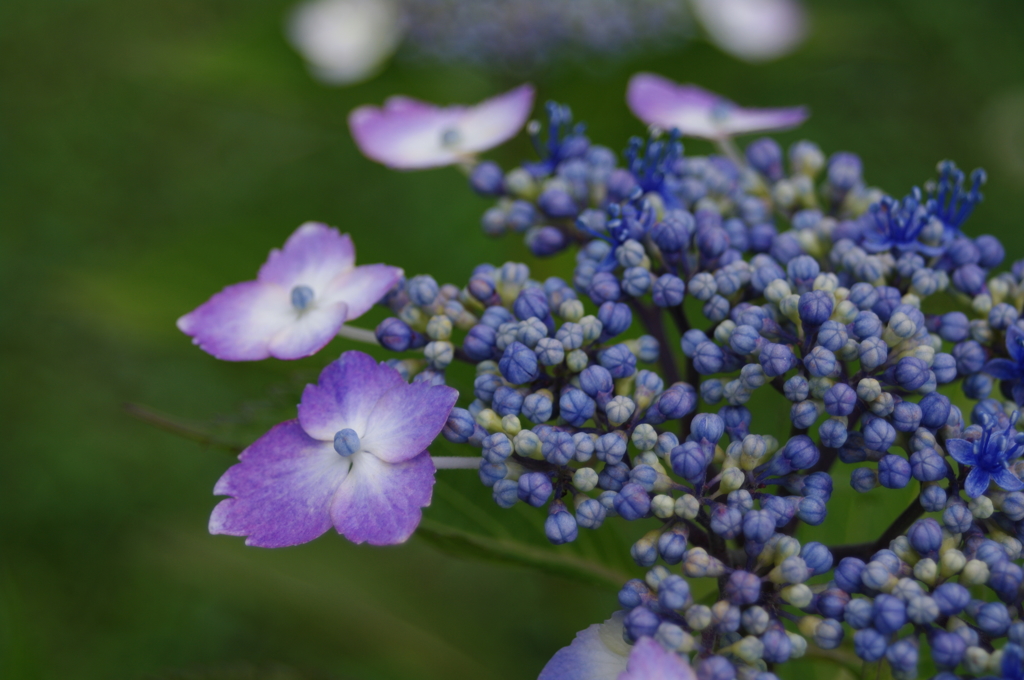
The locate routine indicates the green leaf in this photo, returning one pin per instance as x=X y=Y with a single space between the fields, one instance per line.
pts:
x=509 y=551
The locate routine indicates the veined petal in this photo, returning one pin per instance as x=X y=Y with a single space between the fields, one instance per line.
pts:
x=1001 y=369
x=281 y=489
x=312 y=256
x=345 y=394
x=309 y=332
x=496 y=120
x=380 y=502
x=1007 y=480
x=361 y=288
x=753 y=30
x=962 y=451
x=650 y=661
x=977 y=482
x=240 y=322
x=597 y=653
x=406 y=419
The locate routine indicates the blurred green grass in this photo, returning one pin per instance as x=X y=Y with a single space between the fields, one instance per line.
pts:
x=151 y=153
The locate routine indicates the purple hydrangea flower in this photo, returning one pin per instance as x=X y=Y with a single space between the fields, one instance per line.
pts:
x=298 y=302
x=1011 y=370
x=989 y=457
x=599 y=653
x=408 y=134
x=696 y=112
x=355 y=459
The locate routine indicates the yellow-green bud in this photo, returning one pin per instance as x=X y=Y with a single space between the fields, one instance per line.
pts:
x=663 y=506
x=511 y=425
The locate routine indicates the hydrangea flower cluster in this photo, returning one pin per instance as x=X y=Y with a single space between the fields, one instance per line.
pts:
x=779 y=271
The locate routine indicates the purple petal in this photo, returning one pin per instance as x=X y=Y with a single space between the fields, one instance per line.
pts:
x=597 y=653
x=282 y=489
x=406 y=420
x=1015 y=342
x=650 y=661
x=346 y=393
x=699 y=113
x=255 y=320
x=962 y=451
x=380 y=502
x=1001 y=369
x=313 y=255
x=753 y=30
x=977 y=482
x=1007 y=480
x=361 y=288
x=1018 y=393
x=408 y=134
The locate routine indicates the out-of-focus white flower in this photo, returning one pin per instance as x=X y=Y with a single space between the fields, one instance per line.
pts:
x=753 y=30
x=346 y=41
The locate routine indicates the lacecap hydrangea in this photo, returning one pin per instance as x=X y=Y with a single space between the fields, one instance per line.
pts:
x=887 y=323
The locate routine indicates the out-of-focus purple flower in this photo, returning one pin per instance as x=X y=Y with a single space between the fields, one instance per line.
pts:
x=753 y=30
x=408 y=134
x=355 y=459
x=298 y=302
x=696 y=112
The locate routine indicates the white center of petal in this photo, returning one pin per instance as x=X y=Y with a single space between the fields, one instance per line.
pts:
x=346 y=442
x=720 y=112
x=301 y=297
x=450 y=137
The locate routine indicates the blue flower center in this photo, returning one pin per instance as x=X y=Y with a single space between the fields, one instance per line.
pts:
x=346 y=442
x=301 y=297
x=450 y=137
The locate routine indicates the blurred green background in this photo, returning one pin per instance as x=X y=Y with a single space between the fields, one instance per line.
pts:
x=151 y=153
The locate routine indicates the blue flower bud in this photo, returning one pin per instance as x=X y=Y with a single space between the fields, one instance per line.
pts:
x=777 y=646
x=712 y=241
x=549 y=352
x=911 y=373
x=765 y=156
x=676 y=402
x=634 y=594
x=951 y=598
x=832 y=433
x=537 y=408
x=781 y=509
x=957 y=518
x=970 y=279
x=395 y=335
x=859 y=613
x=604 y=287
x=1002 y=316
x=496 y=316
x=560 y=526
x=492 y=473
x=925 y=536
x=727 y=522
x=545 y=241
x=1005 y=579
x=707 y=426
x=590 y=514
x=505 y=493
x=933 y=498
x=847 y=574
x=742 y=588
x=619 y=361
x=612 y=478
x=535 y=488
x=668 y=290
x=674 y=593
x=422 y=290
x=812 y=511
x=531 y=302
x=829 y=634
x=993 y=619
x=863 y=479
x=672 y=547
x=645 y=476
x=615 y=317
x=640 y=622
x=815 y=307
x=844 y=172
x=506 y=401
x=558 y=448
x=906 y=416
x=758 y=525
x=893 y=472
x=556 y=202
x=715 y=668
x=879 y=435
x=840 y=400
x=947 y=649
x=776 y=359
x=869 y=644
x=689 y=461
x=519 y=364
x=832 y=336
x=873 y=353
x=610 y=447
x=820 y=362
x=902 y=656
x=866 y=325
x=954 y=327
x=576 y=407
x=803 y=414
x=636 y=281
x=596 y=380
x=487 y=179
x=497 y=447
x=927 y=465
x=485 y=385
x=970 y=357
x=479 y=344
x=673 y=234
x=633 y=502
x=690 y=340
x=935 y=409
x=460 y=426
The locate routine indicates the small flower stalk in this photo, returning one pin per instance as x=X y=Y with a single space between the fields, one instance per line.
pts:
x=886 y=327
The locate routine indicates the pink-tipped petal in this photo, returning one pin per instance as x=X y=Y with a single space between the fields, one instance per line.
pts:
x=345 y=395
x=361 y=288
x=650 y=661
x=281 y=489
x=597 y=653
x=753 y=30
x=496 y=120
x=406 y=420
x=240 y=322
x=407 y=134
x=380 y=503
x=312 y=256
x=695 y=112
